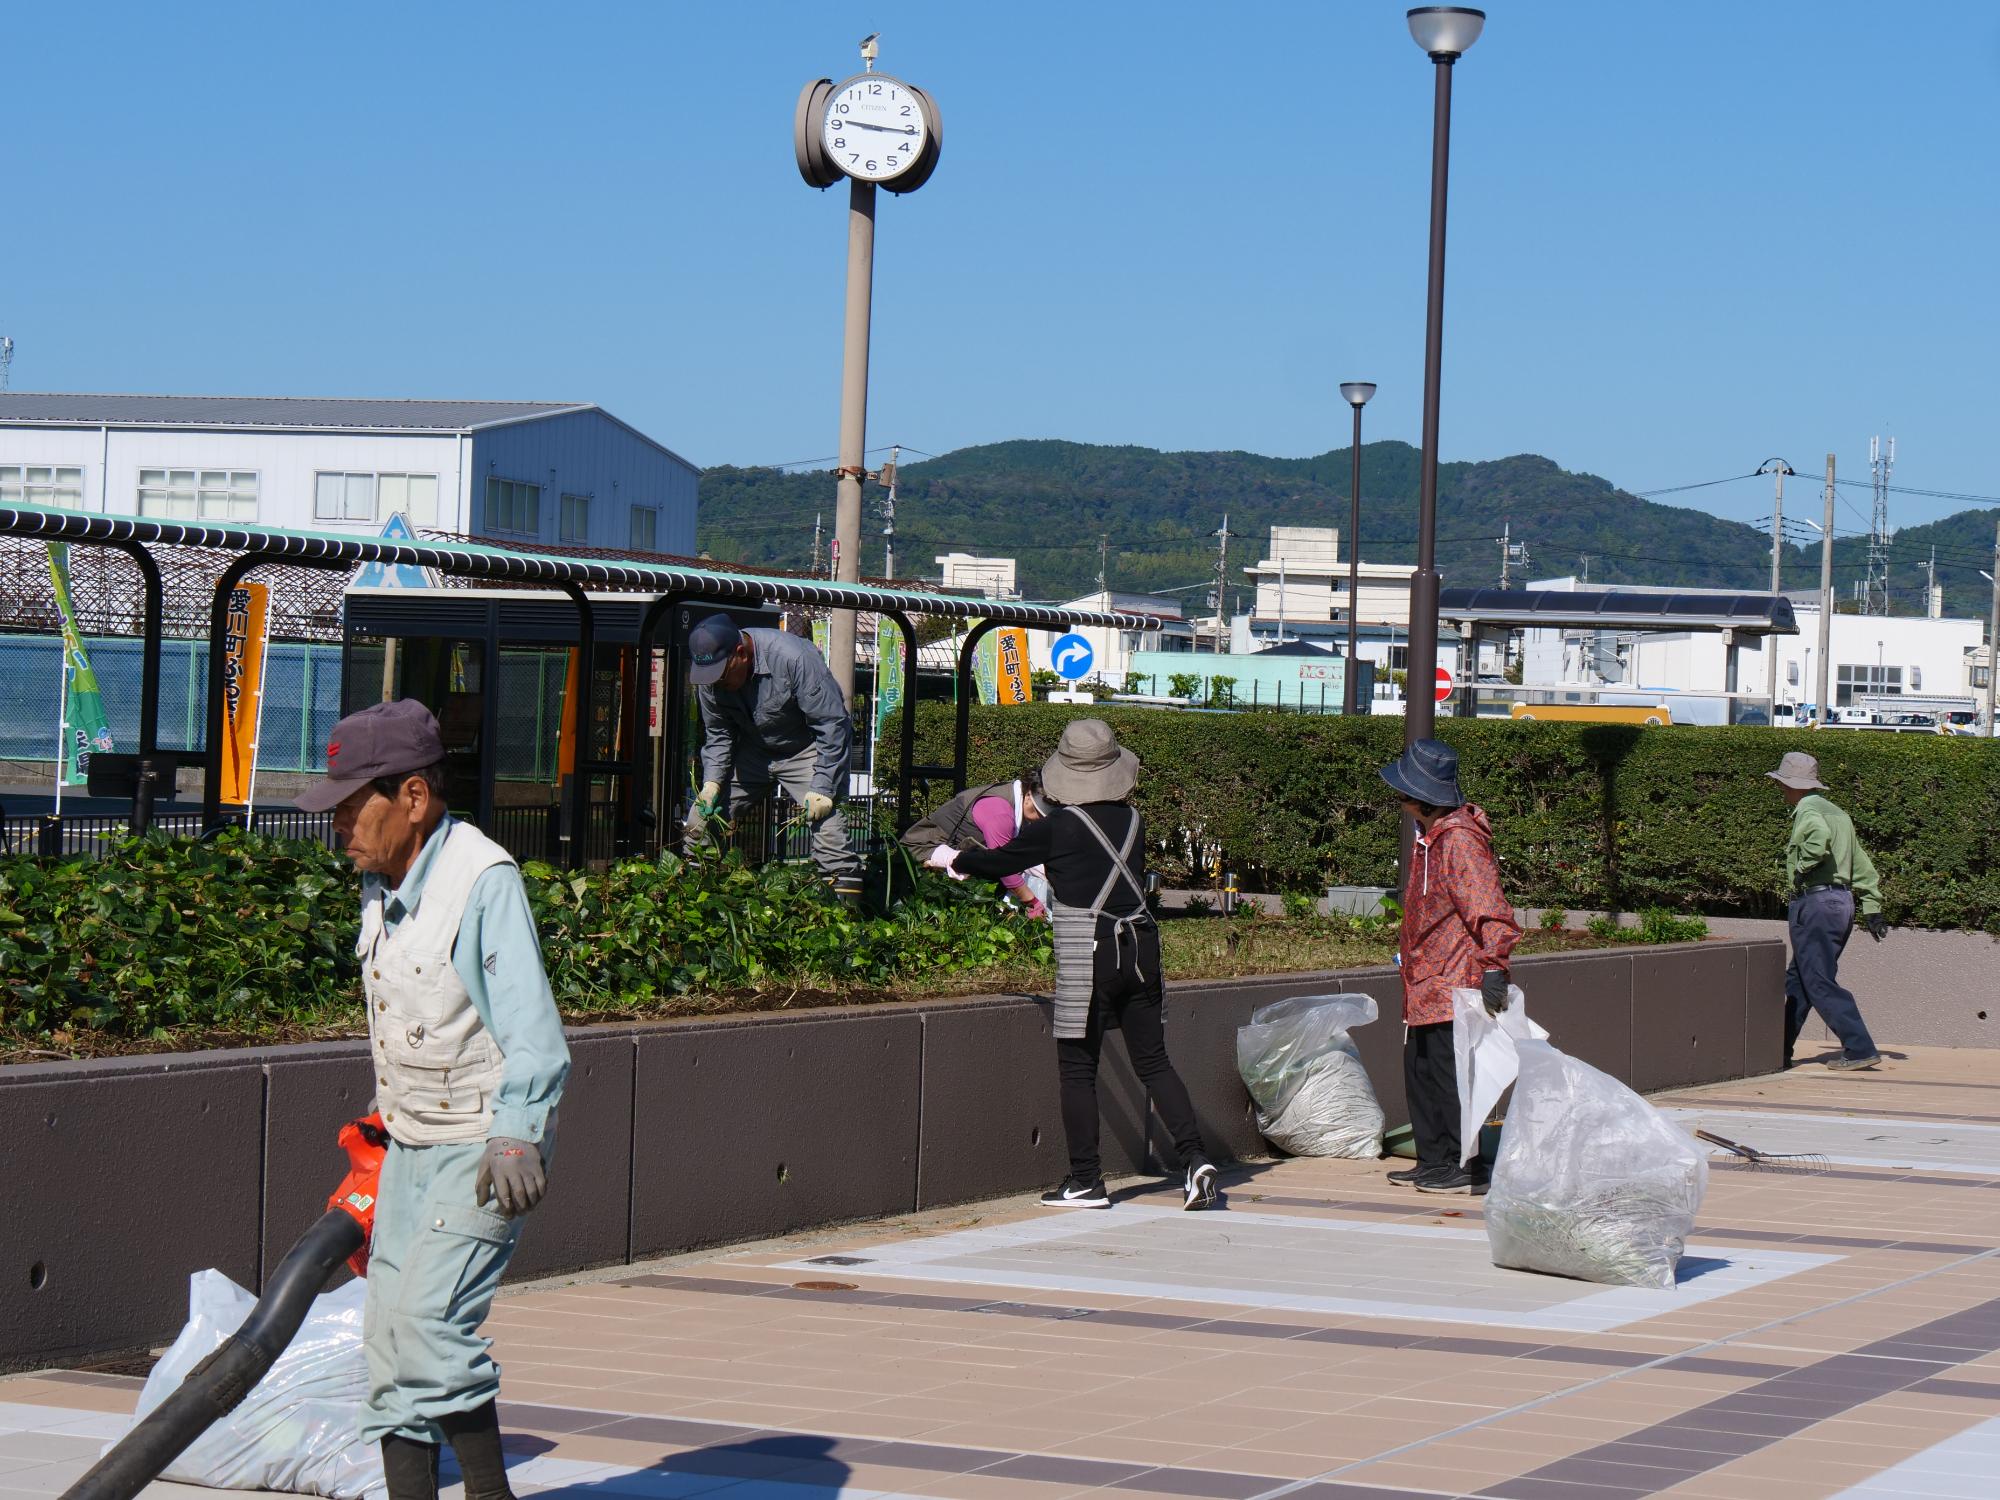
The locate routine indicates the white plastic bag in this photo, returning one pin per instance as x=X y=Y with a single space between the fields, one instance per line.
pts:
x=298 y=1431
x=1487 y=1062
x=1592 y=1181
x=1302 y=1068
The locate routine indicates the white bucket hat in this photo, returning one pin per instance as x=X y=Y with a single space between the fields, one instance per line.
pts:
x=1798 y=771
x=1090 y=765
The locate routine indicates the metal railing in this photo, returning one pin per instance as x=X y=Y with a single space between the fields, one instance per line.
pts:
x=65 y=835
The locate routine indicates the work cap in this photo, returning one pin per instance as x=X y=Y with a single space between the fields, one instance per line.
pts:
x=384 y=739
x=710 y=645
x=1427 y=772
x=1799 y=771
x=1089 y=764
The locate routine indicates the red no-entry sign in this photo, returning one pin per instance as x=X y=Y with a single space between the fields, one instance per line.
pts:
x=1443 y=685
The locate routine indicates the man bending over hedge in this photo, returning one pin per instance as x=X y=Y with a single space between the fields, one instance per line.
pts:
x=469 y=1066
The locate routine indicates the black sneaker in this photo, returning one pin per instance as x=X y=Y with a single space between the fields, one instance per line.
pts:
x=1404 y=1176
x=1074 y=1194
x=1443 y=1180
x=1199 y=1188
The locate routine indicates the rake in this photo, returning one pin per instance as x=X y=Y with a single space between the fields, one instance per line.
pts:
x=1772 y=1161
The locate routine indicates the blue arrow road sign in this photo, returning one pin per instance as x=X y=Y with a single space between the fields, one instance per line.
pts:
x=1071 y=656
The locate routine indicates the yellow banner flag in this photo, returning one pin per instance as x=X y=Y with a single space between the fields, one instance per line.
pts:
x=1013 y=679
x=243 y=686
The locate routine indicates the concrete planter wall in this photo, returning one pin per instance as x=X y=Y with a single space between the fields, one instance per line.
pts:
x=125 y=1175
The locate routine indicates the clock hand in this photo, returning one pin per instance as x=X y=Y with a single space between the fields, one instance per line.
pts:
x=887 y=129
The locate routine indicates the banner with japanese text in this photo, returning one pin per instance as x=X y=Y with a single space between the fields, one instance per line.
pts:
x=1013 y=683
x=889 y=677
x=243 y=642
x=986 y=666
x=85 y=729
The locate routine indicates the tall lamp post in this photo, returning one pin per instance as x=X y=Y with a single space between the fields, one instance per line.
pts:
x=1357 y=393
x=1444 y=32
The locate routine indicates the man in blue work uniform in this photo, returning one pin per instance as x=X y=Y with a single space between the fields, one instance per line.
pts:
x=771 y=712
x=1830 y=876
x=469 y=1062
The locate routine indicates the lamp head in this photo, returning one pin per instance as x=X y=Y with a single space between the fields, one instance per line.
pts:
x=1445 y=31
x=1357 y=392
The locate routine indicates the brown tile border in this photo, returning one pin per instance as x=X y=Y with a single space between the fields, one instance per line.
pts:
x=803 y=1457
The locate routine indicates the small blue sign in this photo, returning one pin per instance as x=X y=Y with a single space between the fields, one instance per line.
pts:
x=1072 y=656
x=376 y=575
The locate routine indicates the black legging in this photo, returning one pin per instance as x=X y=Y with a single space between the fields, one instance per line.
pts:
x=1137 y=1005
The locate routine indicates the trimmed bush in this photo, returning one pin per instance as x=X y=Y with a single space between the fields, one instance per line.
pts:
x=1584 y=815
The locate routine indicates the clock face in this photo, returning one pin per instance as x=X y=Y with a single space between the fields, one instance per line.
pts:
x=874 y=128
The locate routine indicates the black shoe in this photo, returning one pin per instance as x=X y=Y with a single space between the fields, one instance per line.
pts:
x=1074 y=1194
x=1404 y=1176
x=1199 y=1187
x=410 y=1468
x=1443 y=1180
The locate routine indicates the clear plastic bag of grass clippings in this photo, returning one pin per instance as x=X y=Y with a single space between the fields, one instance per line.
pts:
x=1592 y=1181
x=1302 y=1069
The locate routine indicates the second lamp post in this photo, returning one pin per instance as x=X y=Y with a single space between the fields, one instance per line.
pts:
x=1357 y=393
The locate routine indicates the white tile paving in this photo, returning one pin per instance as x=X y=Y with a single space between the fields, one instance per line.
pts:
x=1854 y=1140
x=1284 y=1263
x=1959 y=1468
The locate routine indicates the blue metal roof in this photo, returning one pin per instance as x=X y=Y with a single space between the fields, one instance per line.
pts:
x=1620 y=609
x=276 y=412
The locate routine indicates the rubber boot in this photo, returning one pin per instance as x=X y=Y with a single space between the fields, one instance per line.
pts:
x=410 y=1467
x=475 y=1439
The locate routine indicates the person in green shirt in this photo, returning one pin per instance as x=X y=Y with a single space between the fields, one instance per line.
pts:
x=1830 y=874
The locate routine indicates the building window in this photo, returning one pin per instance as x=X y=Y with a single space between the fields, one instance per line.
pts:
x=1979 y=676
x=1855 y=680
x=198 y=494
x=513 y=506
x=645 y=528
x=375 y=497
x=41 y=484
x=575 y=519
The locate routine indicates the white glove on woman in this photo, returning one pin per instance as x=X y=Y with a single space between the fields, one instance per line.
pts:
x=944 y=858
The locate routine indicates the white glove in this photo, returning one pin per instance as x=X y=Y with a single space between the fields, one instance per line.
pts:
x=944 y=858
x=818 y=806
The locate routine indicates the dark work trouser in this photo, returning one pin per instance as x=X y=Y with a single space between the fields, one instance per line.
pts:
x=1138 y=1006
x=1430 y=1084
x=1820 y=923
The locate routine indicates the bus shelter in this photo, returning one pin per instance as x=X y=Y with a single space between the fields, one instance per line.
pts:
x=664 y=595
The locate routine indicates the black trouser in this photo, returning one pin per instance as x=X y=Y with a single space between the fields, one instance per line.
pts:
x=1138 y=1008
x=1820 y=923
x=1430 y=1084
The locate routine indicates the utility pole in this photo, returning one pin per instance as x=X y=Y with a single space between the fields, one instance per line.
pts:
x=1780 y=468
x=1881 y=461
x=1825 y=595
x=1586 y=570
x=1511 y=552
x=1221 y=582
x=888 y=477
x=1103 y=550
x=818 y=517
x=1281 y=599
x=1993 y=635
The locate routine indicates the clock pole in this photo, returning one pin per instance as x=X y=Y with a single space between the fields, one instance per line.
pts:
x=853 y=422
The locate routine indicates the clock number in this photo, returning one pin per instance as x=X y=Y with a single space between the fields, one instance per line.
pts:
x=841 y=107
x=906 y=111
x=854 y=156
x=839 y=142
x=874 y=88
x=869 y=167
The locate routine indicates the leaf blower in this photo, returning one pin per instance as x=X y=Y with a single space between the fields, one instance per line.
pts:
x=217 y=1385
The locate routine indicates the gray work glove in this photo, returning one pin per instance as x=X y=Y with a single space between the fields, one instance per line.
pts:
x=1876 y=925
x=510 y=1173
x=1493 y=991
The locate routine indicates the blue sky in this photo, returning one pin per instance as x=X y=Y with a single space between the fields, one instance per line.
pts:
x=1684 y=237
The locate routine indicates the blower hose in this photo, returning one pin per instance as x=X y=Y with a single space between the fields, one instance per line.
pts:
x=217 y=1385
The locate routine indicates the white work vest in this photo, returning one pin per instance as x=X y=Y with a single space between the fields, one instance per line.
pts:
x=436 y=1065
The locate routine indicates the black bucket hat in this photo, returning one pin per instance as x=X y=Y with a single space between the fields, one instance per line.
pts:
x=1427 y=772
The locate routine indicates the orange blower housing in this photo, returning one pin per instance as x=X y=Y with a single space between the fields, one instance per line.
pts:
x=366 y=1143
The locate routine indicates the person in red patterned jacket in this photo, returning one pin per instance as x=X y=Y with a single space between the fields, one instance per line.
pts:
x=1458 y=930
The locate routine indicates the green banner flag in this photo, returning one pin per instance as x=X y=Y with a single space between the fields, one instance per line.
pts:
x=87 y=730
x=986 y=665
x=888 y=672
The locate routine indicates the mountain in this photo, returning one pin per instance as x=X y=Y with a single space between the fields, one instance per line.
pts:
x=1048 y=503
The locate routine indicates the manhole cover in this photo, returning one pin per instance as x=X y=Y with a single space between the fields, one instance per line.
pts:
x=838 y=1260
x=824 y=1286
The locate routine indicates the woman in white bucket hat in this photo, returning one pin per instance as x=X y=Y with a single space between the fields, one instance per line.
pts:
x=1107 y=950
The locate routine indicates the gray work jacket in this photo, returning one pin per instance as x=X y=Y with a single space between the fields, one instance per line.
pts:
x=789 y=703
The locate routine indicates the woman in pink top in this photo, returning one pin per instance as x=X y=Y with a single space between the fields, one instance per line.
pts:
x=994 y=817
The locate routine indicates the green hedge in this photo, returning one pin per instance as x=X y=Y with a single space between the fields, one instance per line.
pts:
x=1584 y=815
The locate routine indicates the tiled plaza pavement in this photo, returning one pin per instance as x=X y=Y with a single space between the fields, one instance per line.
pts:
x=1327 y=1336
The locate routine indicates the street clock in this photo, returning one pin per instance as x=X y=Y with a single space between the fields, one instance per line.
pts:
x=872 y=128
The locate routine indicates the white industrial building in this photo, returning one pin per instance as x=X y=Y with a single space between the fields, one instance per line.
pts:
x=1302 y=589
x=1872 y=655
x=518 y=472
